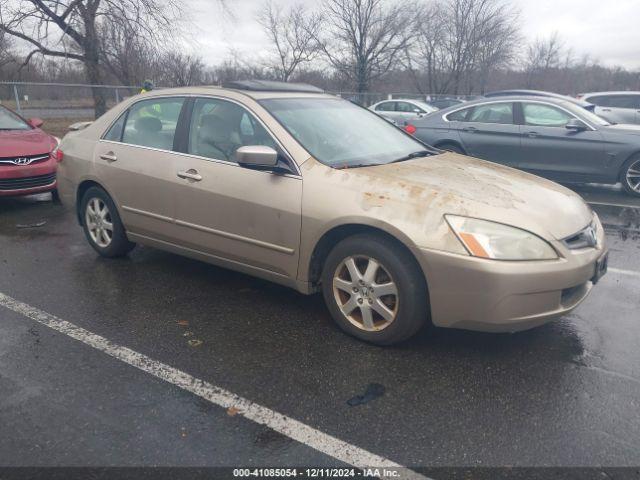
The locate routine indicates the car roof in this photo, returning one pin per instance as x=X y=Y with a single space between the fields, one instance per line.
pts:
x=233 y=92
x=537 y=93
x=510 y=98
x=517 y=91
x=401 y=100
x=271 y=86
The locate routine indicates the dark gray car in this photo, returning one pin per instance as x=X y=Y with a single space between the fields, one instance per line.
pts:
x=546 y=136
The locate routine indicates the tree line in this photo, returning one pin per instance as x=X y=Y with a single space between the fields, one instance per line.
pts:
x=457 y=47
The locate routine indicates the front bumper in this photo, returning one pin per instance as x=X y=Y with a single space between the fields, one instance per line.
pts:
x=505 y=296
x=18 y=180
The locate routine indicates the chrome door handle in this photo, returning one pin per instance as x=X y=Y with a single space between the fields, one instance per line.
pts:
x=109 y=157
x=532 y=134
x=470 y=129
x=191 y=174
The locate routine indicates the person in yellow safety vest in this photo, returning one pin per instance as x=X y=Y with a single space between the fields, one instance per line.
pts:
x=147 y=86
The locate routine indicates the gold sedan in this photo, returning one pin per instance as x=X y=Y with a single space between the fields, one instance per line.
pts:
x=313 y=192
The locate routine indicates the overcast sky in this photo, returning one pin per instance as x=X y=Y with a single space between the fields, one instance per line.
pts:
x=607 y=30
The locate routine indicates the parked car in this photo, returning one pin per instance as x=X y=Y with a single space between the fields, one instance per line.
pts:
x=27 y=164
x=549 y=137
x=402 y=110
x=616 y=107
x=392 y=232
x=440 y=103
x=539 y=93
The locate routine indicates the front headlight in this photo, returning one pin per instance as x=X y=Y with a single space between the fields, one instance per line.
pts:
x=486 y=239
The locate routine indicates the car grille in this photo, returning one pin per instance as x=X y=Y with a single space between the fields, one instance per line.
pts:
x=25 y=160
x=27 y=182
x=585 y=238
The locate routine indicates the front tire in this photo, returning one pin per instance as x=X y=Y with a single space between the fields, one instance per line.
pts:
x=374 y=290
x=630 y=176
x=102 y=225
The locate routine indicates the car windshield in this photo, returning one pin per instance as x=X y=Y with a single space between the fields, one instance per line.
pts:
x=585 y=114
x=341 y=134
x=11 y=121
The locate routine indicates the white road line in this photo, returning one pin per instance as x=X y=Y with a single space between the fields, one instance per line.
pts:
x=294 y=429
x=619 y=271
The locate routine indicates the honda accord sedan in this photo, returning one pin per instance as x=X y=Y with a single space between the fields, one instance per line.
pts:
x=27 y=163
x=289 y=184
x=543 y=135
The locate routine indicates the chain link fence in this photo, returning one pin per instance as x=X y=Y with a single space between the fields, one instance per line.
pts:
x=61 y=104
x=59 y=100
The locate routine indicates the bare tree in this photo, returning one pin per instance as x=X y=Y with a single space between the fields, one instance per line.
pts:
x=543 y=55
x=126 y=53
x=292 y=34
x=462 y=41
x=6 y=50
x=180 y=69
x=364 y=39
x=71 y=29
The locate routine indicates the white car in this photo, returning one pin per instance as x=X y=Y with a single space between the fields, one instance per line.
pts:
x=401 y=110
x=615 y=107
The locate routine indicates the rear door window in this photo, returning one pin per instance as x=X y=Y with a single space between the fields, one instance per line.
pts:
x=616 y=101
x=114 y=134
x=622 y=101
x=406 y=107
x=501 y=113
x=152 y=123
x=459 y=116
x=386 y=107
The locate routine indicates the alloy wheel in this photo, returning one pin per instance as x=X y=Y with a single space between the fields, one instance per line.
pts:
x=99 y=222
x=366 y=293
x=633 y=176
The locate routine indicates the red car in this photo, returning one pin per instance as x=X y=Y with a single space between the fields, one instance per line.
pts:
x=27 y=156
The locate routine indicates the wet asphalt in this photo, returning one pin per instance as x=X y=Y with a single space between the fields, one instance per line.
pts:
x=565 y=394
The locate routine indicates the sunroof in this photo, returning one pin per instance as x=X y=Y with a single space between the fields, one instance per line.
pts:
x=271 y=86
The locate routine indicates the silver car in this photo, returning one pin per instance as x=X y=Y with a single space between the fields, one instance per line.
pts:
x=615 y=107
x=402 y=110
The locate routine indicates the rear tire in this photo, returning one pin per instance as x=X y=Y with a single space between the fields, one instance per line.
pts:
x=102 y=225
x=630 y=176
x=375 y=290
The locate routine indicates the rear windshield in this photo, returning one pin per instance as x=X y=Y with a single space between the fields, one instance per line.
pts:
x=11 y=121
x=339 y=133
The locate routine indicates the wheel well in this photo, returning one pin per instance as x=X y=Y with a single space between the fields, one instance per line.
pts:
x=624 y=164
x=337 y=234
x=82 y=188
x=440 y=145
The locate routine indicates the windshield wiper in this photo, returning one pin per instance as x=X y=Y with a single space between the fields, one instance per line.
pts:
x=355 y=165
x=419 y=153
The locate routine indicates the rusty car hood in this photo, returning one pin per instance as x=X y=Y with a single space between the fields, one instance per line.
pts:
x=455 y=184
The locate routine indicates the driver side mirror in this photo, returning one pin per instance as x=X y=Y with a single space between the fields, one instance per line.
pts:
x=418 y=112
x=257 y=156
x=576 y=125
x=35 y=122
